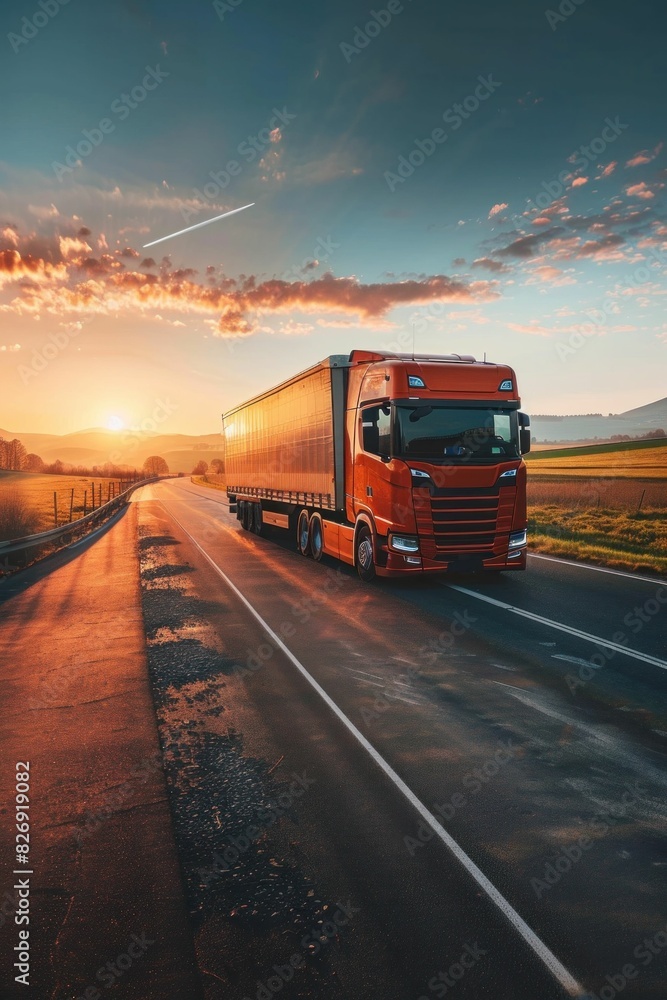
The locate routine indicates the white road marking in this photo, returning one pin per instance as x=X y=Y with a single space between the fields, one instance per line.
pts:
x=586 y=636
x=612 y=742
x=376 y=677
x=539 y=948
x=571 y=659
x=399 y=697
x=600 y=569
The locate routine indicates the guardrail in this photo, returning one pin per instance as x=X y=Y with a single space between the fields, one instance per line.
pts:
x=44 y=537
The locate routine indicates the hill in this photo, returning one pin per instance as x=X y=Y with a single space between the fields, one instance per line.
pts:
x=582 y=427
x=97 y=446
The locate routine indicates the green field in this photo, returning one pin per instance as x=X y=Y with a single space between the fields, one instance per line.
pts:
x=646 y=459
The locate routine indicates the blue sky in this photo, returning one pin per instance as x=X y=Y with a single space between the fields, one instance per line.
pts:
x=533 y=229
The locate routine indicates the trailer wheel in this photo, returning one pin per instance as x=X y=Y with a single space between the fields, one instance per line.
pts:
x=302 y=533
x=257 y=520
x=364 y=557
x=246 y=514
x=316 y=537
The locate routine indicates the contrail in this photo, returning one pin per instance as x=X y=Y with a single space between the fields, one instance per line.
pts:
x=198 y=225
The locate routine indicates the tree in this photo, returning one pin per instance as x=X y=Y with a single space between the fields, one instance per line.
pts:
x=201 y=468
x=155 y=465
x=217 y=466
x=33 y=463
x=12 y=454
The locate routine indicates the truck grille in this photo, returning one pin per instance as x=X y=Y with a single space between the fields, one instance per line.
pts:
x=464 y=520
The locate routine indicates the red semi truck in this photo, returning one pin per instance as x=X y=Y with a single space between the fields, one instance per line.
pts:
x=396 y=464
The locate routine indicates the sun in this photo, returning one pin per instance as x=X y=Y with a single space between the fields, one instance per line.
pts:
x=115 y=423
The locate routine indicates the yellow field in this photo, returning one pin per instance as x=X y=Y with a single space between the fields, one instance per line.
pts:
x=37 y=490
x=649 y=463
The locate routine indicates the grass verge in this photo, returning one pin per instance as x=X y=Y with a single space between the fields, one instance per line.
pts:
x=614 y=538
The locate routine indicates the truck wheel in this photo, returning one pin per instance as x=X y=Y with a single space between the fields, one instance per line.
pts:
x=302 y=534
x=364 y=558
x=246 y=514
x=257 y=520
x=316 y=537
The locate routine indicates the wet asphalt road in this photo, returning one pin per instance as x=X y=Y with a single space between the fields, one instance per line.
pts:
x=297 y=846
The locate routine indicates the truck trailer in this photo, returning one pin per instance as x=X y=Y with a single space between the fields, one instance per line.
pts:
x=397 y=464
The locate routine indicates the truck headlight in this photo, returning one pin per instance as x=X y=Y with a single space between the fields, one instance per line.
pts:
x=518 y=539
x=404 y=543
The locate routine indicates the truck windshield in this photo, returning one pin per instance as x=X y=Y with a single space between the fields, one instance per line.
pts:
x=440 y=433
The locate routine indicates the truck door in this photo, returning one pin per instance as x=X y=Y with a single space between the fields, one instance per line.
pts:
x=372 y=465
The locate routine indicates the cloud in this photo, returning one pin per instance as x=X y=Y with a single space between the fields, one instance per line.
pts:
x=66 y=280
x=608 y=170
x=640 y=190
x=579 y=182
x=488 y=264
x=604 y=249
x=497 y=209
x=527 y=246
x=644 y=156
x=534 y=328
x=293 y=329
x=545 y=274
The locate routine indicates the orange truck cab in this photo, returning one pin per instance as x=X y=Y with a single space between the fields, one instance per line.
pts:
x=396 y=464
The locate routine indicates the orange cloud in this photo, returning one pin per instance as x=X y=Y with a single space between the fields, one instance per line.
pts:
x=534 y=328
x=644 y=156
x=579 y=181
x=67 y=280
x=640 y=190
x=608 y=170
x=497 y=209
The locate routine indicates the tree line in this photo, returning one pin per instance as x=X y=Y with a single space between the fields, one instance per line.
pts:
x=15 y=457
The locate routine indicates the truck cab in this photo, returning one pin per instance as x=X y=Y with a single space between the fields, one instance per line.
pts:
x=436 y=470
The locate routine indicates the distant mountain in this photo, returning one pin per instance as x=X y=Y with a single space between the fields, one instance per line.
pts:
x=634 y=423
x=652 y=412
x=97 y=446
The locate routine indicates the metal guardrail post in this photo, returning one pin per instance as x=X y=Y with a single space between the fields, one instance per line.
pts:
x=44 y=537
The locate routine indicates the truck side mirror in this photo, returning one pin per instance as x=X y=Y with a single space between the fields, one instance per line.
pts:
x=524 y=433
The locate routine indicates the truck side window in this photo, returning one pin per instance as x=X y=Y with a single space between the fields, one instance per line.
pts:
x=376 y=426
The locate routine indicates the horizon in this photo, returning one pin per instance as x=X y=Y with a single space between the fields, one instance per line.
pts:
x=119 y=430
x=478 y=203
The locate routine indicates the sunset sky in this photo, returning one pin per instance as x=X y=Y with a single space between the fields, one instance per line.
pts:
x=531 y=225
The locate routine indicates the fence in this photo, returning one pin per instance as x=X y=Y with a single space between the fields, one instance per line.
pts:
x=87 y=522
x=631 y=495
